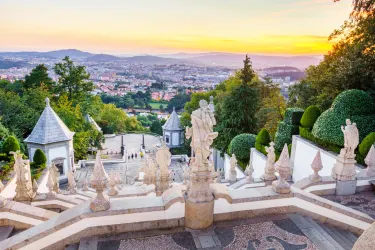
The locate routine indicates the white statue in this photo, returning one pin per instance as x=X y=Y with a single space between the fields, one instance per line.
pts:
x=269 y=171
x=72 y=183
x=112 y=183
x=3 y=201
x=351 y=140
x=85 y=185
x=99 y=181
x=282 y=167
x=24 y=186
x=233 y=165
x=316 y=165
x=202 y=134
x=249 y=171
x=50 y=185
x=55 y=177
x=370 y=162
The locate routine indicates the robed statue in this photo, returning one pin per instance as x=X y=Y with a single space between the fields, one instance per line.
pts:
x=351 y=140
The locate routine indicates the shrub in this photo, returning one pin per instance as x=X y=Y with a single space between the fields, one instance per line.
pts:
x=263 y=137
x=356 y=105
x=366 y=144
x=305 y=133
x=261 y=148
x=11 y=144
x=4 y=157
x=240 y=146
x=293 y=116
x=310 y=116
x=284 y=135
x=39 y=158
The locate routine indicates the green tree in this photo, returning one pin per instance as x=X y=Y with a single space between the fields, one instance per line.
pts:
x=73 y=80
x=39 y=158
x=38 y=77
x=156 y=127
x=247 y=73
x=10 y=144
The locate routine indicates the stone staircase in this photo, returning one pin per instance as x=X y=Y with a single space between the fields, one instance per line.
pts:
x=6 y=232
x=324 y=236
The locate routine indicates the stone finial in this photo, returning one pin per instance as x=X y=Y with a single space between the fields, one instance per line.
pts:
x=47 y=102
x=249 y=171
x=269 y=170
x=72 y=183
x=316 y=165
x=35 y=186
x=370 y=162
x=99 y=181
x=50 y=185
x=85 y=185
x=282 y=167
x=112 y=183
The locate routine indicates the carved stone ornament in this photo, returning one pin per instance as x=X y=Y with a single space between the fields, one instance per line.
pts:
x=316 y=166
x=72 y=183
x=269 y=170
x=282 y=167
x=112 y=183
x=99 y=181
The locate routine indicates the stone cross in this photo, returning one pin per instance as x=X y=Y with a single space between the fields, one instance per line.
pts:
x=99 y=181
x=112 y=183
x=281 y=186
x=269 y=170
x=370 y=162
x=50 y=184
x=316 y=166
x=72 y=183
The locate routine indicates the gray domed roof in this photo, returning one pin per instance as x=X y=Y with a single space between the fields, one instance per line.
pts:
x=173 y=122
x=49 y=128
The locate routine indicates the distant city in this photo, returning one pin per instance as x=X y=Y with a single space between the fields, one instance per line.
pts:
x=114 y=75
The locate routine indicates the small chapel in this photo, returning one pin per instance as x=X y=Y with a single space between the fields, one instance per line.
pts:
x=173 y=132
x=51 y=135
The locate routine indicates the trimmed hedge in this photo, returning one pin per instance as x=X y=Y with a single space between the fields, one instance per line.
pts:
x=240 y=146
x=263 y=137
x=39 y=157
x=10 y=144
x=293 y=116
x=306 y=133
x=310 y=116
x=261 y=148
x=356 y=105
x=366 y=144
x=284 y=135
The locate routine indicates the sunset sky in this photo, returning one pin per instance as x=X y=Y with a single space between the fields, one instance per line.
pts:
x=169 y=26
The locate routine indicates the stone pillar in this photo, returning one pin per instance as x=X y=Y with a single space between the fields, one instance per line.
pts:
x=344 y=170
x=163 y=159
x=99 y=180
x=316 y=166
x=281 y=186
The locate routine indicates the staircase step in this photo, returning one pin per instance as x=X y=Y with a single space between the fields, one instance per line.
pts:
x=315 y=233
x=5 y=232
x=337 y=236
x=348 y=235
x=90 y=243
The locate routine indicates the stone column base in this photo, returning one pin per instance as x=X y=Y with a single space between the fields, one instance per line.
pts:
x=346 y=187
x=199 y=215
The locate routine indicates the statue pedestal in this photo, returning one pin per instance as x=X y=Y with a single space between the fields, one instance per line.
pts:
x=346 y=187
x=281 y=187
x=344 y=169
x=199 y=215
x=24 y=192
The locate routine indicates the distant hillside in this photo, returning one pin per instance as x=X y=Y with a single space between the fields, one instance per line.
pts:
x=103 y=58
x=153 y=60
x=5 y=64
x=72 y=53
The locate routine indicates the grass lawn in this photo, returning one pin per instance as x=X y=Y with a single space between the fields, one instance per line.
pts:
x=156 y=105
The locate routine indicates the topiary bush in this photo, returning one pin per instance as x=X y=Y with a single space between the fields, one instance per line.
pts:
x=10 y=144
x=366 y=144
x=310 y=116
x=240 y=146
x=263 y=137
x=293 y=116
x=306 y=133
x=356 y=105
x=39 y=158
